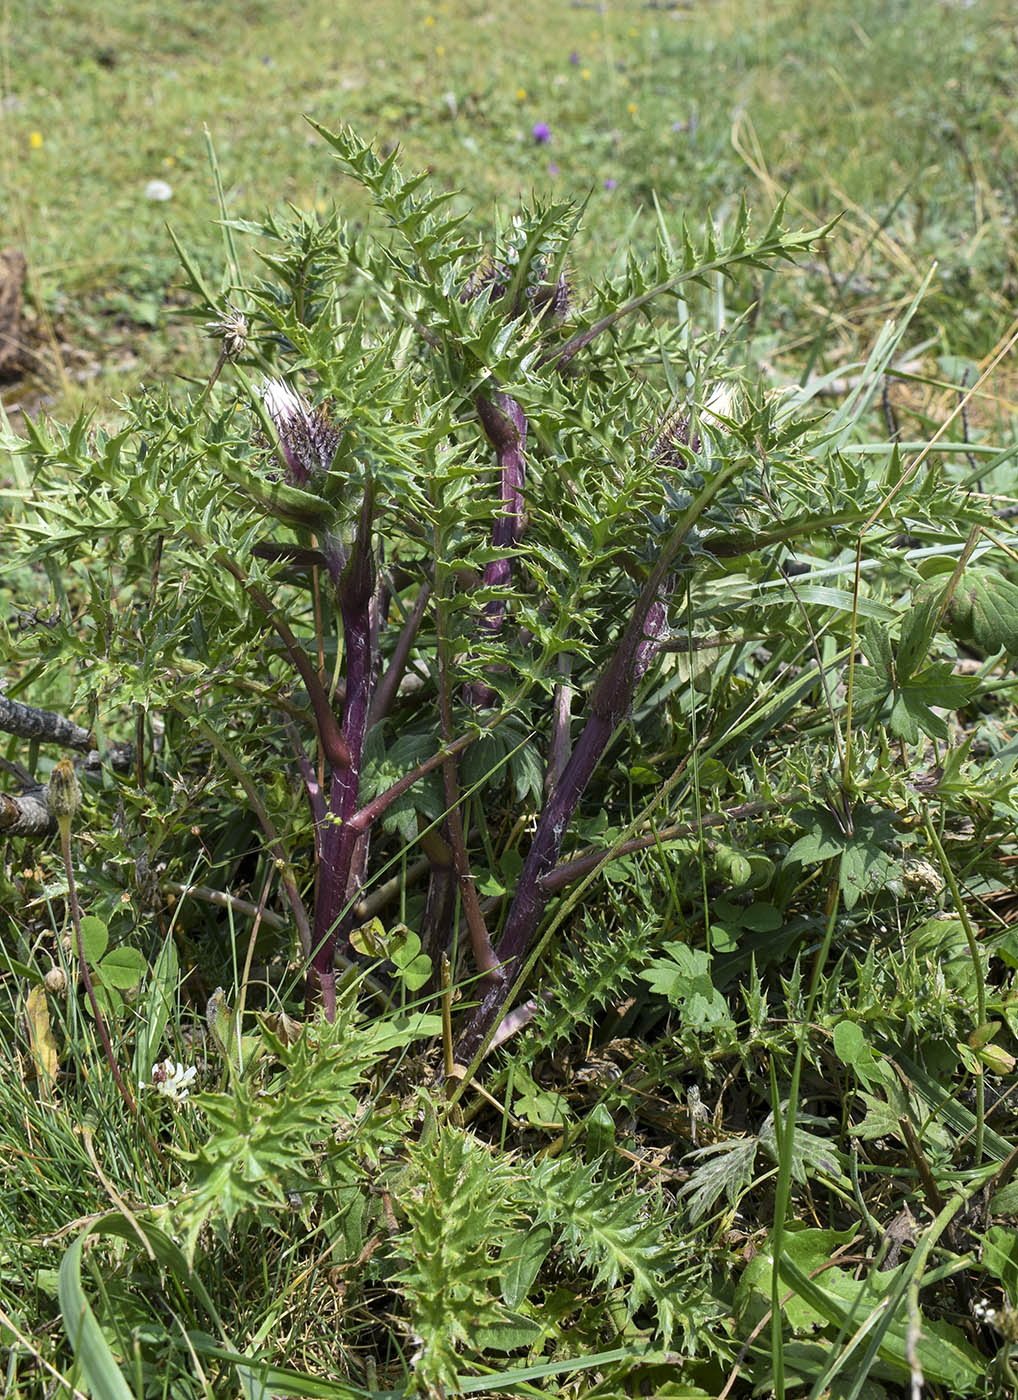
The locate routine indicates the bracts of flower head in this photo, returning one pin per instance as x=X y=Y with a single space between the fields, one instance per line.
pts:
x=675 y=440
x=505 y=424
x=232 y=329
x=308 y=442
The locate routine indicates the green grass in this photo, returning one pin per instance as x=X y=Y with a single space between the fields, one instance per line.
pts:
x=900 y=115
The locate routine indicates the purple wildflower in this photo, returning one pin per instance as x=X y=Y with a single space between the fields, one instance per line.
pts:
x=574 y=58
x=541 y=133
x=610 y=184
x=552 y=168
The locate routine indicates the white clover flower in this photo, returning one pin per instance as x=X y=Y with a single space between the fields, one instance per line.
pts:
x=171 y=1080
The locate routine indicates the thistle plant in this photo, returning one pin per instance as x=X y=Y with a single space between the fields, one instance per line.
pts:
x=437 y=516
x=445 y=597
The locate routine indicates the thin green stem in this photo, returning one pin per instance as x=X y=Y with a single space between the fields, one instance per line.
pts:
x=977 y=967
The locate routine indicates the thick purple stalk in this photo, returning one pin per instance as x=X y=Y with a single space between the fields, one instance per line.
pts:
x=388 y=686
x=609 y=705
x=505 y=424
x=558 y=745
x=316 y=801
x=339 y=838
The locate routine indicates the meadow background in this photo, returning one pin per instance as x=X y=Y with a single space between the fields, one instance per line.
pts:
x=686 y=1234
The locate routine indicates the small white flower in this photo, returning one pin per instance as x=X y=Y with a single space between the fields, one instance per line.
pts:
x=172 y=1080
x=158 y=190
x=982 y=1311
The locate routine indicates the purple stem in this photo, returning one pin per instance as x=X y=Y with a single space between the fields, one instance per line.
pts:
x=505 y=425
x=385 y=691
x=609 y=705
x=436 y=923
x=333 y=744
x=572 y=870
x=339 y=836
x=316 y=800
x=558 y=747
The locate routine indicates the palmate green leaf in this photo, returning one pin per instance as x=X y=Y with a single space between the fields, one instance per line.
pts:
x=811 y=1155
x=685 y=979
x=868 y=850
x=725 y=1169
x=937 y=685
x=983 y=611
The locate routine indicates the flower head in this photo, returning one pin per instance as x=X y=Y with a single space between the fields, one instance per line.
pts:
x=172 y=1080
x=307 y=436
x=675 y=437
x=231 y=329
x=610 y=184
x=541 y=133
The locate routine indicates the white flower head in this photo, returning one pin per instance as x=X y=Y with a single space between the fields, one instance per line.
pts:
x=172 y=1080
x=231 y=328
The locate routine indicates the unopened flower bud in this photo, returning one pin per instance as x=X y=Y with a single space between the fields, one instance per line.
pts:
x=63 y=795
x=56 y=981
x=668 y=440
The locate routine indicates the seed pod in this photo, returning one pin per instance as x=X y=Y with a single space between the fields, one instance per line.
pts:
x=63 y=795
